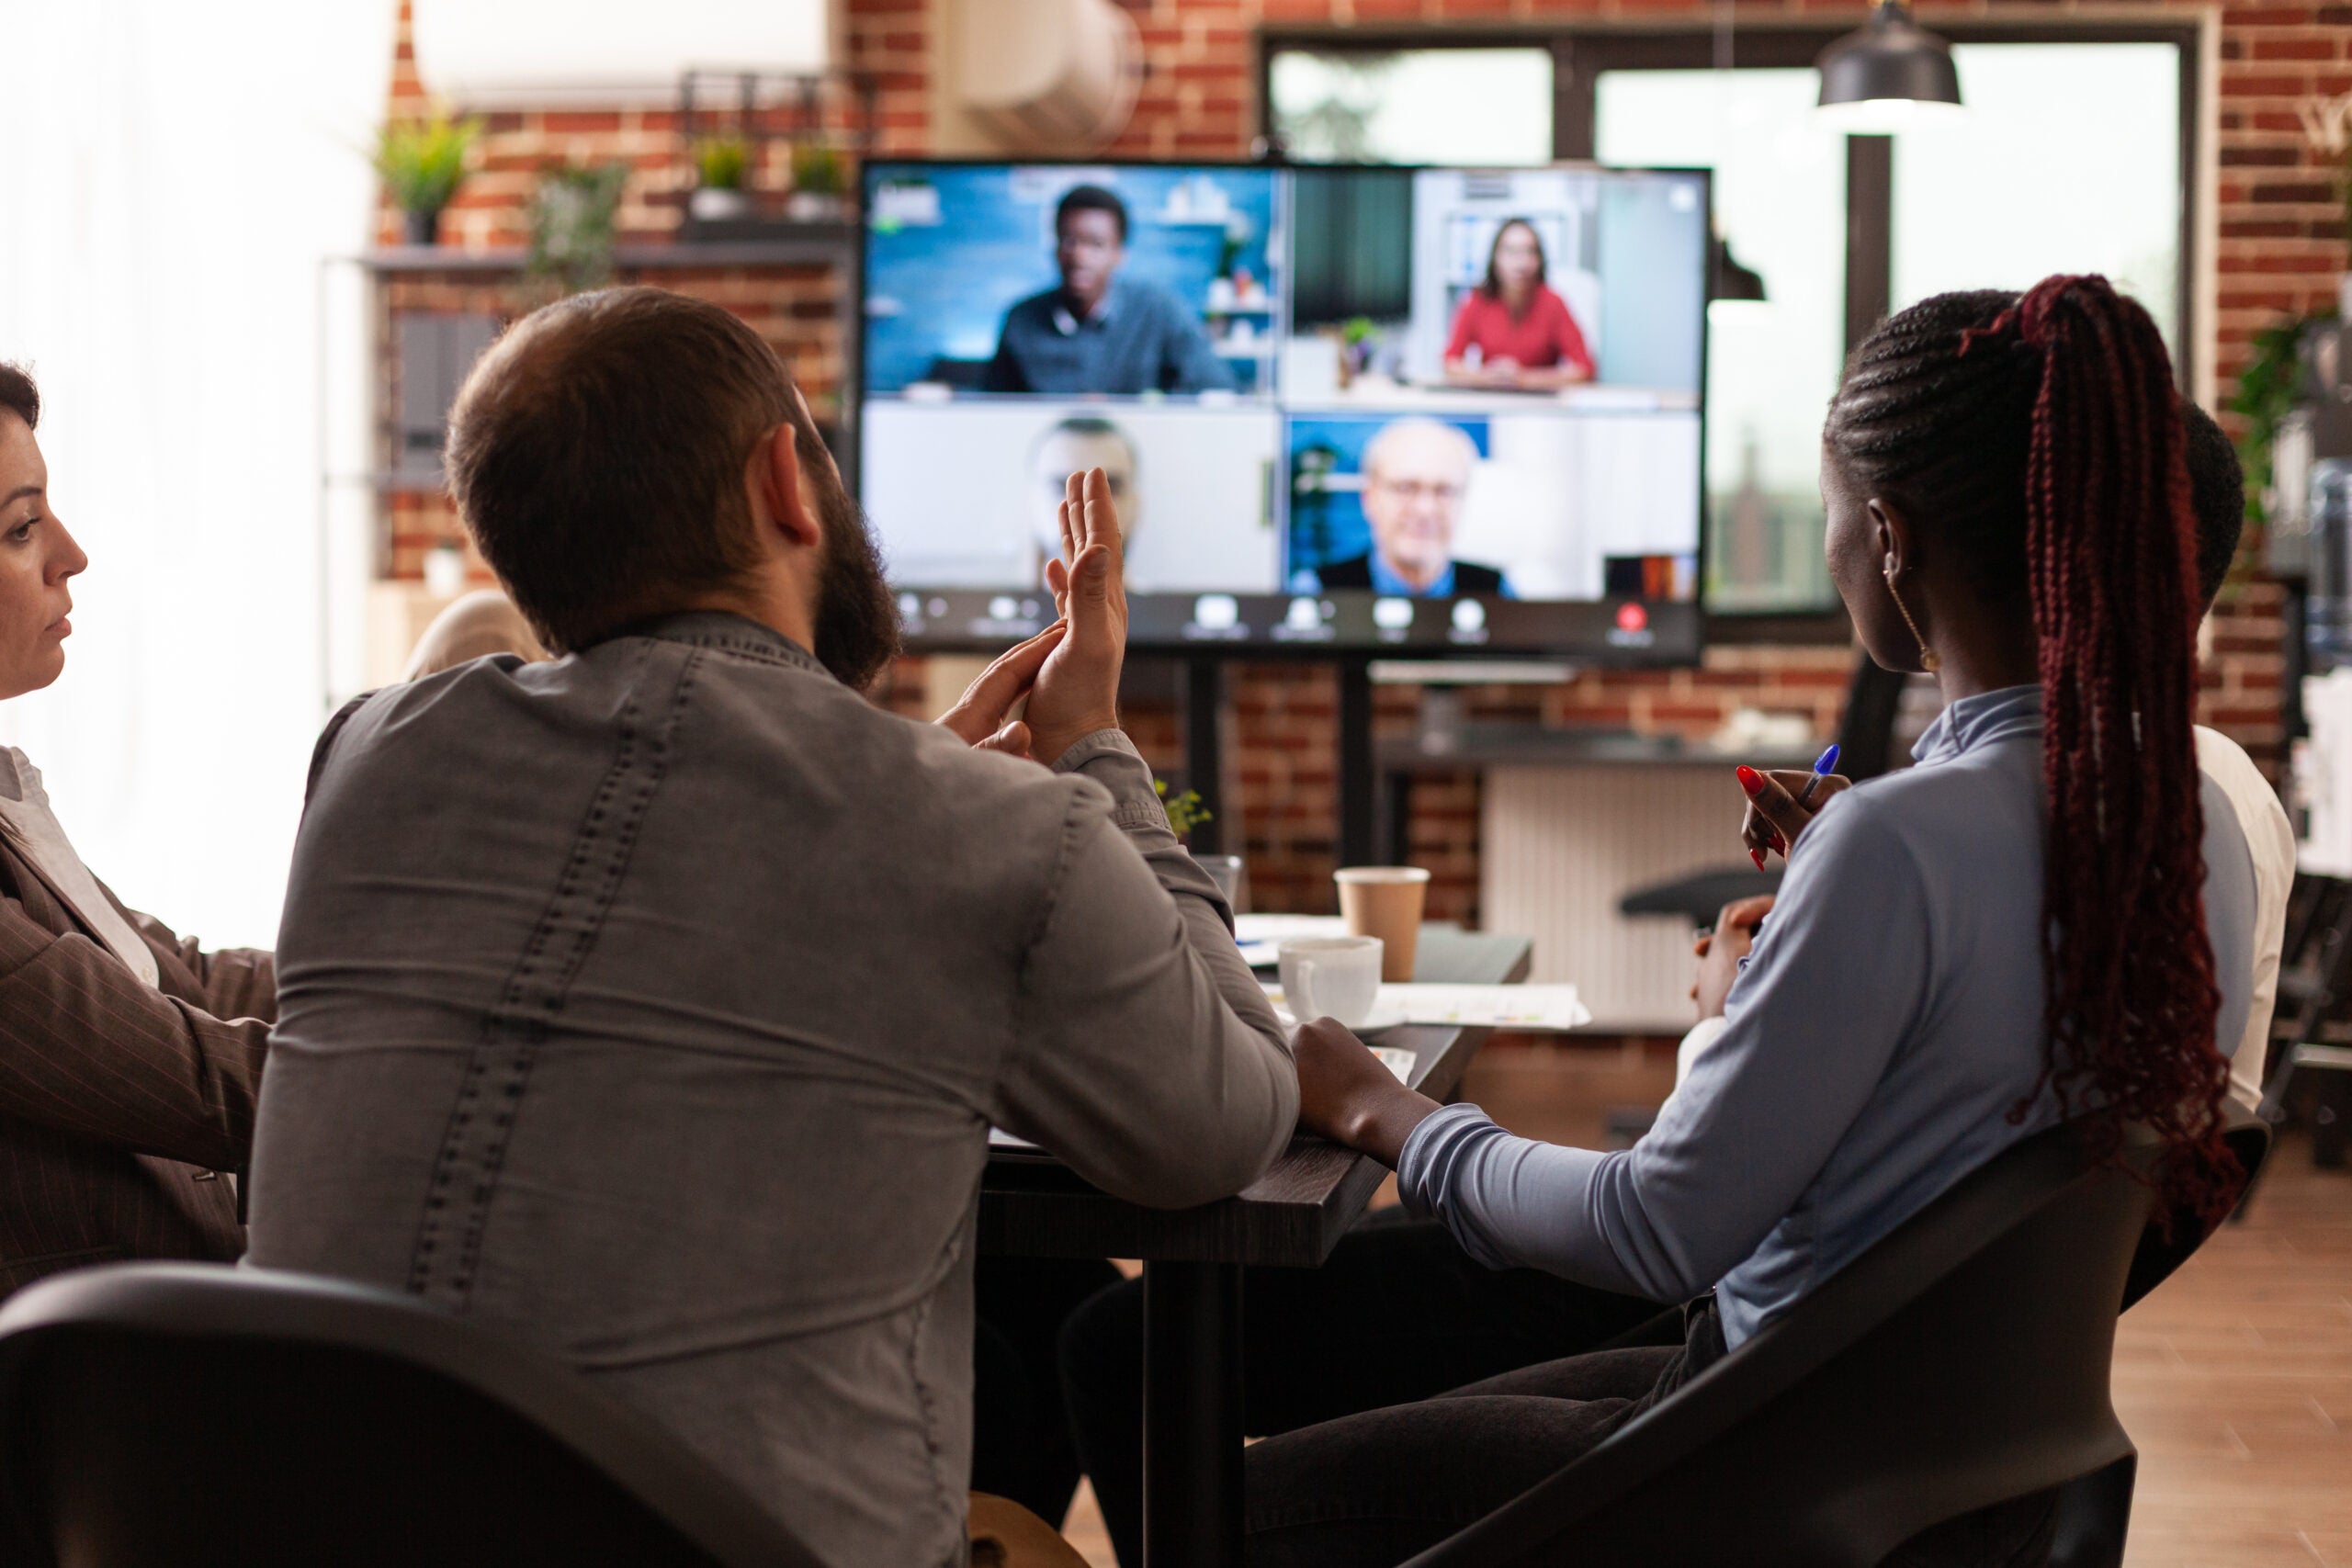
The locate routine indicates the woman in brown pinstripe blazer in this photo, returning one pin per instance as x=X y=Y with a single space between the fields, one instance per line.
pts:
x=121 y=1102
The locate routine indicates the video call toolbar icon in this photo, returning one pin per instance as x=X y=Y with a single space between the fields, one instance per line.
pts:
x=1216 y=612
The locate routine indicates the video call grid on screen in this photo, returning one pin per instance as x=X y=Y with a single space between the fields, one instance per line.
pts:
x=1419 y=411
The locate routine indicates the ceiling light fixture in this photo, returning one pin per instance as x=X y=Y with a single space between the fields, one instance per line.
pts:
x=1890 y=75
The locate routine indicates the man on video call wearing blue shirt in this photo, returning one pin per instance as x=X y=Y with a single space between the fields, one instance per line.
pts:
x=1095 y=332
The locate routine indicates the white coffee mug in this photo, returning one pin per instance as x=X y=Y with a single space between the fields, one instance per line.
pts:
x=1335 y=976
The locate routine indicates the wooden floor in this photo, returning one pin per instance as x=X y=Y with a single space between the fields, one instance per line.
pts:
x=2235 y=1381
x=2235 y=1378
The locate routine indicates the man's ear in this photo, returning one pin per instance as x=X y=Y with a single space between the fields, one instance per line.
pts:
x=1892 y=536
x=774 y=479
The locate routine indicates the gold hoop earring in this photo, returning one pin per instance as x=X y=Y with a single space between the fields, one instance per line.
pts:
x=1928 y=658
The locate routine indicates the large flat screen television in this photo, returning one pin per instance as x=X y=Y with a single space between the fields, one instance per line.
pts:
x=1337 y=416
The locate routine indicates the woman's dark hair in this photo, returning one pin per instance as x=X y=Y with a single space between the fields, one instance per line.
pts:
x=19 y=395
x=2040 y=438
x=1493 y=285
x=2217 y=489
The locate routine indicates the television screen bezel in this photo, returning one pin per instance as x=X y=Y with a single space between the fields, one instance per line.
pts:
x=1675 y=628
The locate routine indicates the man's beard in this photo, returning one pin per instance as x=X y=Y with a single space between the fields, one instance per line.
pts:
x=857 y=619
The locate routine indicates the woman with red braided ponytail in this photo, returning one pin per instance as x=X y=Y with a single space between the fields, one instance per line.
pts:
x=2050 y=918
x=2082 y=509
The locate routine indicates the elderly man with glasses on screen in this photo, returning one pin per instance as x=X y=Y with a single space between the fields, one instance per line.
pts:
x=1416 y=472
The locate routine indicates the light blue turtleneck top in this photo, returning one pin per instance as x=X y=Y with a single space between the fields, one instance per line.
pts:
x=1887 y=1020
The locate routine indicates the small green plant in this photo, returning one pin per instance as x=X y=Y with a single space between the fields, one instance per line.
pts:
x=573 y=215
x=1185 y=812
x=422 y=162
x=1359 y=331
x=2266 y=396
x=722 y=161
x=817 y=170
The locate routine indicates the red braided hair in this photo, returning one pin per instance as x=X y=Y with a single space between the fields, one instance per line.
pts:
x=2052 y=415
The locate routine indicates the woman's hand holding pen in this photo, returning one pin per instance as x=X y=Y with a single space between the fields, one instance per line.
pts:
x=1782 y=801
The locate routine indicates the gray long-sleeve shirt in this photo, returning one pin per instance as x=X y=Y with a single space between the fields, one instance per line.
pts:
x=1887 y=1020
x=655 y=1004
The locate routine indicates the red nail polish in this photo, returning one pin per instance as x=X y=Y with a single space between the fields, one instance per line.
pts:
x=1780 y=843
x=1757 y=856
x=1752 y=781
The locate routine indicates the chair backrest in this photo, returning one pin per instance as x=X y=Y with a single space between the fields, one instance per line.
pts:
x=1960 y=1363
x=199 y=1415
x=2164 y=1248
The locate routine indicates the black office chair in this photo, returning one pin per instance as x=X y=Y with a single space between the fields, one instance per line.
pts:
x=1961 y=1363
x=2308 y=1032
x=2164 y=1248
x=206 y=1416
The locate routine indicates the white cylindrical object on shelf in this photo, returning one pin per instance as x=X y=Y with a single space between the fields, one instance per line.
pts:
x=1049 y=74
x=529 y=53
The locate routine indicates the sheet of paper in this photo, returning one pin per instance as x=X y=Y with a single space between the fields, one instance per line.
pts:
x=1553 y=1007
x=1395 y=1061
x=1261 y=936
x=1281 y=928
x=1386 y=1013
x=1534 y=1007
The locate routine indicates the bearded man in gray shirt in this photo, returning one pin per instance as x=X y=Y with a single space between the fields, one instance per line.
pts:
x=654 y=1003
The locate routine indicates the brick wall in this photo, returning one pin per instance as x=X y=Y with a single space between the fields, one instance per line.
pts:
x=2281 y=248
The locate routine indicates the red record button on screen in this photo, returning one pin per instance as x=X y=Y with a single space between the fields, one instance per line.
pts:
x=1631 y=617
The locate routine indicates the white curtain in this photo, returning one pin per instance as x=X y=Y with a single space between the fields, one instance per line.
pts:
x=174 y=175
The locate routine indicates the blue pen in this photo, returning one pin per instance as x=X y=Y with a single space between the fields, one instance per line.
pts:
x=1822 y=769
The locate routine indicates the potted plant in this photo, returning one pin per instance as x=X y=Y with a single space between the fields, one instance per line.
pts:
x=573 y=215
x=721 y=164
x=1185 y=812
x=1358 y=340
x=819 y=179
x=422 y=163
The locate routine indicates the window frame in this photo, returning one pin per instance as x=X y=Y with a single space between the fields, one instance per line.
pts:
x=1580 y=54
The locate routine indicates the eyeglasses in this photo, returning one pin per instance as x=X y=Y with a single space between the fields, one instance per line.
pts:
x=1416 y=490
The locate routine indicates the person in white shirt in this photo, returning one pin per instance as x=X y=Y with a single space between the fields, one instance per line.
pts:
x=2216 y=494
x=2217 y=489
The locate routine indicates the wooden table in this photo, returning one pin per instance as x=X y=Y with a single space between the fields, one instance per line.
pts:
x=1192 y=1259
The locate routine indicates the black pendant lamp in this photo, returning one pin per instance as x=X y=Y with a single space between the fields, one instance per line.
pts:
x=1729 y=283
x=1888 y=76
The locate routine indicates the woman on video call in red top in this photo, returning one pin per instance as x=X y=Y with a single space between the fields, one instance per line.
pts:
x=1521 y=327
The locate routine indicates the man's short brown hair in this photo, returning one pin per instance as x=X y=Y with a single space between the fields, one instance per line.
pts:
x=19 y=395
x=596 y=455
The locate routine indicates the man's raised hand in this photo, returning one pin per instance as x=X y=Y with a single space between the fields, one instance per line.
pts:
x=979 y=715
x=1077 y=690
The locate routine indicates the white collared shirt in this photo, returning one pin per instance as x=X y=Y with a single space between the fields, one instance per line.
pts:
x=2270 y=841
x=33 y=827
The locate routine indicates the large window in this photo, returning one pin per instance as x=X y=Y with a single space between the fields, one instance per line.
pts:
x=2074 y=155
x=1780 y=195
x=2068 y=159
x=1405 y=106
